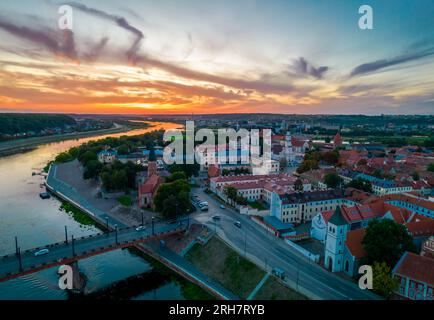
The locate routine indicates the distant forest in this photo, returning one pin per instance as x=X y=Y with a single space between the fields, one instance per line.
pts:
x=11 y=123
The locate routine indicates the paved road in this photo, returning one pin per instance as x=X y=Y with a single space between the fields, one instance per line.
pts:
x=83 y=246
x=270 y=251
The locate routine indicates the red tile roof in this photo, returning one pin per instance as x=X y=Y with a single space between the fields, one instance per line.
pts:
x=421 y=228
x=416 y=267
x=410 y=199
x=354 y=243
x=213 y=171
x=150 y=185
x=369 y=211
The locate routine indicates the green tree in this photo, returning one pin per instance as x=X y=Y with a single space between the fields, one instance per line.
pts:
x=64 y=157
x=189 y=169
x=386 y=241
x=283 y=164
x=120 y=179
x=431 y=167
x=241 y=200
x=362 y=162
x=178 y=175
x=226 y=172
x=231 y=193
x=331 y=157
x=384 y=283
x=92 y=169
x=88 y=156
x=298 y=185
x=307 y=165
x=332 y=180
x=172 y=199
x=415 y=176
x=360 y=184
x=123 y=149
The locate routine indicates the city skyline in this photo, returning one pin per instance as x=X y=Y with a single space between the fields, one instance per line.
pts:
x=181 y=57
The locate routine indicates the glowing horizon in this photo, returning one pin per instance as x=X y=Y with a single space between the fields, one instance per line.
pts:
x=203 y=57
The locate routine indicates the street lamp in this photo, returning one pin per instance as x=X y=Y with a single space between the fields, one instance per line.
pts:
x=153 y=225
x=116 y=233
x=66 y=234
x=16 y=246
x=245 y=243
x=107 y=224
x=143 y=222
x=73 y=245
x=19 y=259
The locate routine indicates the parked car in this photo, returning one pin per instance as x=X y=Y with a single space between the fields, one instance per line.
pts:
x=237 y=224
x=41 y=252
x=222 y=207
x=141 y=228
x=216 y=217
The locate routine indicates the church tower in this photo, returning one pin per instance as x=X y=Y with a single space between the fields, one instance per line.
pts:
x=289 y=152
x=152 y=165
x=337 y=229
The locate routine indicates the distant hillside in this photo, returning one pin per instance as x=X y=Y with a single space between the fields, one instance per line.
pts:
x=11 y=123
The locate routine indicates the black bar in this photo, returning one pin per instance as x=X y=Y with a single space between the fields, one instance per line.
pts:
x=66 y=234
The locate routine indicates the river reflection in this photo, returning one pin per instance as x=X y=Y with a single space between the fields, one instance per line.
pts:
x=37 y=222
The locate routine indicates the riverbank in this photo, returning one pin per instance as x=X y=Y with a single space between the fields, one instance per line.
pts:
x=25 y=145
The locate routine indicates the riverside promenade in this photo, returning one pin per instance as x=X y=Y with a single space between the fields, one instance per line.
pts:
x=71 y=194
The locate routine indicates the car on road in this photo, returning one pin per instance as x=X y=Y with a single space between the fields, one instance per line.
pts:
x=203 y=206
x=41 y=252
x=237 y=224
x=222 y=207
x=216 y=217
x=141 y=228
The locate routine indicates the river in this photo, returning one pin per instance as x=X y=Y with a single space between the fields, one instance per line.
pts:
x=37 y=222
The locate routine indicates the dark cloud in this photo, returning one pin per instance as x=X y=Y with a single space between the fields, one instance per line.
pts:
x=259 y=85
x=302 y=67
x=96 y=51
x=384 y=63
x=118 y=20
x=60 y=44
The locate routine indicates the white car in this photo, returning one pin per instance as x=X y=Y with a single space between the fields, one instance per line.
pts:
x=41 y=252
x=222 y=207
x=141 y=228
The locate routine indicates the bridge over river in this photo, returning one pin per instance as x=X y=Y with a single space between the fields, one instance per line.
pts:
x=71 y=250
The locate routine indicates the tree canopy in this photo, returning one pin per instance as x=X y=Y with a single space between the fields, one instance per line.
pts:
x=11 y=123
x=189 y=169
x=384 y=283
x=360 y=184
x=386 y=241
x=332 y=180
x=172 y=199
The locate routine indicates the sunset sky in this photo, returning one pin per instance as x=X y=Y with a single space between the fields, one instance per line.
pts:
x=199 y=56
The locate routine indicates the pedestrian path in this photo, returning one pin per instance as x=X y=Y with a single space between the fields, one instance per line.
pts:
x=258 y=287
